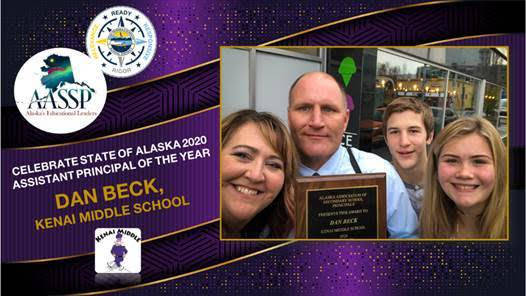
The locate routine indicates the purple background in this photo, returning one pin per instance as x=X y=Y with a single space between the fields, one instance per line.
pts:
x=189 y=33
x=21 y=206
x=301 y=268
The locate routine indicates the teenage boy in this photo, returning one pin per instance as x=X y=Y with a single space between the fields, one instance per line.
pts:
x=408 y=129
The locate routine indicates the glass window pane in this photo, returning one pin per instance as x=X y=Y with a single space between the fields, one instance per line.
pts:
x=434 y=93
x=496 y=107
x=304 y=50
x=462 y=94
x=395 y=77
x=485 y=63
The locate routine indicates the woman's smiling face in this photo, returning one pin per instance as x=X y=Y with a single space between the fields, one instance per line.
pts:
x=466 y=172
x=252 y=174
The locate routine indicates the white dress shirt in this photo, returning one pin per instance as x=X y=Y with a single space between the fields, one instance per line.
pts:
x=402 y=221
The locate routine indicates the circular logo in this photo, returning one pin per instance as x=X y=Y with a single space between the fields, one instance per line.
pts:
x=60 y=90
x=122 y=40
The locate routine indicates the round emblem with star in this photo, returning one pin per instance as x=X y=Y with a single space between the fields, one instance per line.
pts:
x=122 y=40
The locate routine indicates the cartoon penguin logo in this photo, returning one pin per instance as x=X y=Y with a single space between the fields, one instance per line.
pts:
x=118 y=251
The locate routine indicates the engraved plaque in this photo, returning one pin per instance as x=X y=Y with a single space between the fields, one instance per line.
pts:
x=341 y=207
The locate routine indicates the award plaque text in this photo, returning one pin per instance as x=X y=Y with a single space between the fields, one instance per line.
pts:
x=341 y=207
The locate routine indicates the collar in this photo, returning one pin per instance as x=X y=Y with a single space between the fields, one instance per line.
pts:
x=328 y=168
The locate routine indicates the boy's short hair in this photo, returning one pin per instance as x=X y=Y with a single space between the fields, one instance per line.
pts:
x=412 y=104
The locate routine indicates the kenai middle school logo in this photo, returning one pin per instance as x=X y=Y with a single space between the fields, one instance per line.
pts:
x=60 y=90
x=117 y=250
x=122 y=40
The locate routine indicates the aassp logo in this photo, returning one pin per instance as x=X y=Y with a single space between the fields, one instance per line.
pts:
x=117 y=250
x=122 y=40
x=60 y=90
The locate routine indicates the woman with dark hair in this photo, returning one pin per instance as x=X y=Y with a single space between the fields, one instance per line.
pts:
x=465 y=189
x=258 y=165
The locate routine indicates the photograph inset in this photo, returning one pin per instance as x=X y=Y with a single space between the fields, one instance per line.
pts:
x=433 y=121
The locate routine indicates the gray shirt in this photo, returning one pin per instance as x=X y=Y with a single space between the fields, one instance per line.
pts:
x=416 y=195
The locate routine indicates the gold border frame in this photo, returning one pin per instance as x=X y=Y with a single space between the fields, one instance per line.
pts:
x=340 y=188
x=220 y=111
x=296 y=34
x=389 y=47
x=360 y=16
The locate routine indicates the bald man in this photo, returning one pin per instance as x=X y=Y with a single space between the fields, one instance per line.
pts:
x=318 y=117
